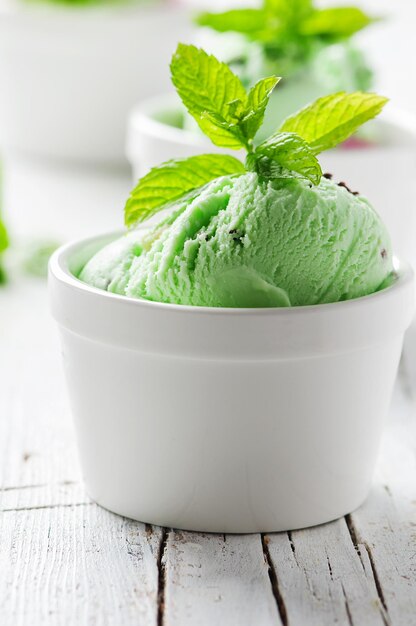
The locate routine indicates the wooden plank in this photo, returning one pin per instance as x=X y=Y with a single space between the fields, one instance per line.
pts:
x=362 y=572
x=37 y=439
x=63 y=560
x=384 y=529
x=397 y=466
x=37 y=443
x=77 y=565
x=321 y=580
x=216 y=579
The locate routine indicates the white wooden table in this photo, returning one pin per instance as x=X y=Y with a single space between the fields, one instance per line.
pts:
x=65 y=560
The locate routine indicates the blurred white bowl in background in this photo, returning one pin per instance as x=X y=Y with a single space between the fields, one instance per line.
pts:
x=47 y=201
x=69 y=75
x=385 y=173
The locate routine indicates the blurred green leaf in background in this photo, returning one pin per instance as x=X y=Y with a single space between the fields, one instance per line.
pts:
x=4 y=242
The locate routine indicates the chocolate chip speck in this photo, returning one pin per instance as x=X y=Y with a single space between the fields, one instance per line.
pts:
x=237 y=236
x=383 y=253
x=342 y=184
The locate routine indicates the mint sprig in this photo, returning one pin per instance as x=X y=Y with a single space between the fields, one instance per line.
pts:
x=231 y=117
x=289 y=30
x=283 y=18
x=217 y=99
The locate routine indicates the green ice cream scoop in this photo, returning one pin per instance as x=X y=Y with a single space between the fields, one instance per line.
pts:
x=272 y=232
x=249 y=242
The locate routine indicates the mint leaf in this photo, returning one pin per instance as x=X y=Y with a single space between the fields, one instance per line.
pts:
x=338 y=22
x=246 y=21
x=207 y=87
x=220 y=132
x=288 y=151
x=216 y=98
x=173 y=180
x=330 y=120
x=257 y=101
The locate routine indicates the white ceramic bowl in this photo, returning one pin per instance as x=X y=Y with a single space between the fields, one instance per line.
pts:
x=385 y=174
x=227 y=420
x=69 y=75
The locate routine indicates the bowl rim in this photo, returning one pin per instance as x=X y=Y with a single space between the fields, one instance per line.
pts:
x=59 y=271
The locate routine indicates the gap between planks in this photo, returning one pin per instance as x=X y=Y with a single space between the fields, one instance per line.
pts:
x=42 y=507
x=64 y=483
x=281 y=607
x=161 y=568
x=354 y=538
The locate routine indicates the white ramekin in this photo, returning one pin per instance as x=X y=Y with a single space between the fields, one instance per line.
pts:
x=385 y=174
x=227 y=420
x=69 y=75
